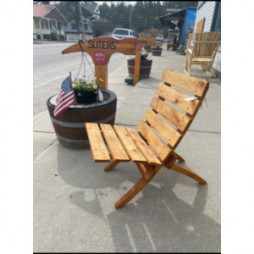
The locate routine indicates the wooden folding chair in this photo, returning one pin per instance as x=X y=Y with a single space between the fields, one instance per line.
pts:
x=201 y=49
x=153 y=145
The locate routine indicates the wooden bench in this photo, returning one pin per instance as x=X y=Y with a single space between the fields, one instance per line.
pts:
x=148 y=150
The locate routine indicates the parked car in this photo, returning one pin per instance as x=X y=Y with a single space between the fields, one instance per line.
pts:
x=159 y=37
x=121 y=33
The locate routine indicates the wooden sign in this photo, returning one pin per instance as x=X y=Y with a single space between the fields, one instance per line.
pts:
x=140 y=44
x=100 y=49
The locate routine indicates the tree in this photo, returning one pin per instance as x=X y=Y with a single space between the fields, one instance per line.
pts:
x=102 y=26
x=71 y=11
x=144 y=14
x=41 y=2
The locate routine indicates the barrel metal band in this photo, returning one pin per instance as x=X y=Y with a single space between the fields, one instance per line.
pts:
x=80 y=125
x=76 y=141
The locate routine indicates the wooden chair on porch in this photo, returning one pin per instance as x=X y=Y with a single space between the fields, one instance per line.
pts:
x=201 y=49
x=153 y=145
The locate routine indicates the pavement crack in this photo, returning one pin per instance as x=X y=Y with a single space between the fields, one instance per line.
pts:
x=212 y=132
x=45 y=150
x=51 y=132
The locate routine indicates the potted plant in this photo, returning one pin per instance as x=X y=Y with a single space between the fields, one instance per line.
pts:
x=148 y=48
x=156 y=51
x=85 y=91
x=145 y=66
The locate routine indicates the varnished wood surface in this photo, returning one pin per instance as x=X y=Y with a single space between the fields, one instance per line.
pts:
x=160 y=148
x=189 y=84
x=142 y=145
x=129 y=145
x=163 y=128
x=177 y=98
x=116 y=149
x=98 y=148
x=177 y=118
x=153 y=146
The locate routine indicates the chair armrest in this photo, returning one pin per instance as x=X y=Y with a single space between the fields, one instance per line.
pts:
x=190 y=51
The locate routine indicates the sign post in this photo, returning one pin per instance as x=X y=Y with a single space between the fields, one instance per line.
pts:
x=140 y=44
x=100 y=49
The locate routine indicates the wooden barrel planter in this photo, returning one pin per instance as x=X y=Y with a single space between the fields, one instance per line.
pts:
x=70 y=125
x=156 y=51
x=145 y=68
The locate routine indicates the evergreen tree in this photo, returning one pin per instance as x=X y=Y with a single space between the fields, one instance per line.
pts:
x=143 y=15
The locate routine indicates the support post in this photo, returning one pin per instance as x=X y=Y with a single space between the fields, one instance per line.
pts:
x=137 y=64
x=101 y=72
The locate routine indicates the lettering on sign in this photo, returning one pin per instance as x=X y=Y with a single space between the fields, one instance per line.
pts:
x=101 y=45
x=99 y=57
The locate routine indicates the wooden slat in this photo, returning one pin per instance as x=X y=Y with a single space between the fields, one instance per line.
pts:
x=99 y=150
x=177 y=98
x=153 y=140
x=185 y=82
x=151 y=158
x=163 y=128
x=177 y=118
x=115 y=147
x=201 y=59
x=129 y=145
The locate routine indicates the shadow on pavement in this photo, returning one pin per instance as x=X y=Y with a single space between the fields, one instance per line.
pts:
x=156 y=220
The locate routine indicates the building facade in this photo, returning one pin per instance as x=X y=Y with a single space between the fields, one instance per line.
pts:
x=48 y=23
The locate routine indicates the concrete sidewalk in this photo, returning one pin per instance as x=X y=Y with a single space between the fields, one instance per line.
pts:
x=74 y=198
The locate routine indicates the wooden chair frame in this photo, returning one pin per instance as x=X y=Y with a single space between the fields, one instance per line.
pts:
x=148 y=150
x=201 y=49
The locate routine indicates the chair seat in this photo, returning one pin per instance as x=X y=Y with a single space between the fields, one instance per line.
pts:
x=201 y=59
x=121 y=144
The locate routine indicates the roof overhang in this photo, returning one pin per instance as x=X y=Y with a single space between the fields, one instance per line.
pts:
x=173 y=19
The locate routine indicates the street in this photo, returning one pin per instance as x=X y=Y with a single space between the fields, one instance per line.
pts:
x=50 y=68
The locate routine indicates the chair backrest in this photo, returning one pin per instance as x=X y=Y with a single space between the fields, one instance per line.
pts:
x=205 y=44
x=171 y=114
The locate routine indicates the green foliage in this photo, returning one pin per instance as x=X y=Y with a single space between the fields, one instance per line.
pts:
x=80 y=85
x=71 y=10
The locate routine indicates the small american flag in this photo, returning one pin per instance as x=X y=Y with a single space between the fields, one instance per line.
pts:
x=65 y=98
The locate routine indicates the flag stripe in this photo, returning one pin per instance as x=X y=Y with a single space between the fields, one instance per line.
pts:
x=65 y=97
x=59 y=95
x=67 y=101
x=64 y=108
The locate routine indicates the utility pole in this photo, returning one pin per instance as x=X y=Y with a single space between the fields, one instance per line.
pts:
x=81 y=20
x=145 y=23
x=131 y=10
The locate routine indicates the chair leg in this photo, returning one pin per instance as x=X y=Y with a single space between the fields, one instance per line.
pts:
x=204 y=67
x=140 y=185
x=188 y=173
x=178 y=157
x=111 y=165
x=209 y=72
x=189 y=68
x=186 y=65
